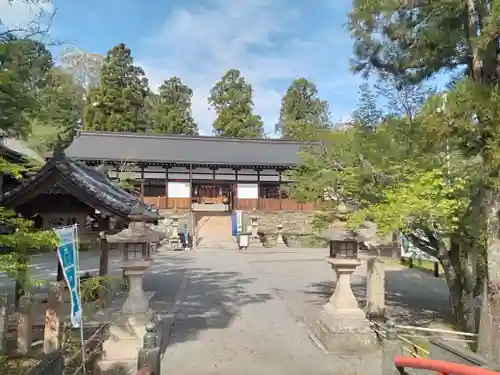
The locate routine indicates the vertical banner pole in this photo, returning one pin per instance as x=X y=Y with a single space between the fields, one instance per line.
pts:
x=77 y=250
x=69 y=259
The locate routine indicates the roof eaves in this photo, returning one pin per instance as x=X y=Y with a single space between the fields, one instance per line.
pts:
x=191 y=137
x=132 y=161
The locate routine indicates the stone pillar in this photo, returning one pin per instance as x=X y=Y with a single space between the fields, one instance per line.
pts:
x=375 y=288
x=51 y=330
x=279 y=235
x=128 y=329
x=254 y=224
x=391 y=347
x=342 y=327
x=4 y=320
x=150 y=355
x=175 y=226
x=136 y=302
x=25 y=324
x=343 y=297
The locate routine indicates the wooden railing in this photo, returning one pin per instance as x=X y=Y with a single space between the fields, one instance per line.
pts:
x=441 y=367
x=163 y=203
x=268 y=204
x=263 y=204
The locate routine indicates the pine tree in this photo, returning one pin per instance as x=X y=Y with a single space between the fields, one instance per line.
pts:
x=117 y=104
x=367 y=114
x=231 y=99
x=172 y=111
x=302 y=112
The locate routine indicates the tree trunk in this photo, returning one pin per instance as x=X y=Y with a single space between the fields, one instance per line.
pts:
x=489 y=335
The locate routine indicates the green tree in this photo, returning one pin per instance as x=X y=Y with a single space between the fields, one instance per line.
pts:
x=302 y=112
x=231 y=99
x=413 y=42
x=117 y=104
x=24 y=64
x=85 y=67
x=58 y=111
x=368 y=114
x=172 y=112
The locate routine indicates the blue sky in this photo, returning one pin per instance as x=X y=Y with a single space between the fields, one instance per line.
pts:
x=271 y=41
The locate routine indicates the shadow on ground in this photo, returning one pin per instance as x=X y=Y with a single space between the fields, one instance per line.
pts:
x=210 y=301
x=411 y=297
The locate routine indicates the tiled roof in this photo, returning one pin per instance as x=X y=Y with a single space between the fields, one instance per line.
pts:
x=85 y=183
x=184 y=149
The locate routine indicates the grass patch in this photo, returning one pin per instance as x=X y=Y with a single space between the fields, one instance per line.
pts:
x=419 y=264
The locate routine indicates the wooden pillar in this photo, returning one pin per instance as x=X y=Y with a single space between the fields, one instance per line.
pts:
x=103 y=254
x=192 y=225
x=236 y=200
x=279 y=186
x=142 y=189
x=60 y=276
x=258 y=189
x=166 y=187
x=104 y=225
x=142 y=181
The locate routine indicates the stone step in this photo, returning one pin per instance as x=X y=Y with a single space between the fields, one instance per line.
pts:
x=217 y=245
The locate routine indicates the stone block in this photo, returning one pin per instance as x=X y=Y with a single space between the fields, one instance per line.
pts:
x=375 y=288
x=25 y=324
x=344 y=333
x=4 y=319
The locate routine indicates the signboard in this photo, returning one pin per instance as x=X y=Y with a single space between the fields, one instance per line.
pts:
x=186 y=235
x=409 y=250
x=237 y=223
x=67 y=254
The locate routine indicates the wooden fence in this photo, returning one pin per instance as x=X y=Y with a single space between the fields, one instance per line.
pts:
x=263 y=204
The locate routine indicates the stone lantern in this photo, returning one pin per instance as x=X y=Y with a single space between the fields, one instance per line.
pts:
x=136 y=243
x=127 y=330
x=342 y=326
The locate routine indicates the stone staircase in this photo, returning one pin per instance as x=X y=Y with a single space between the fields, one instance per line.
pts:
x=214 y=230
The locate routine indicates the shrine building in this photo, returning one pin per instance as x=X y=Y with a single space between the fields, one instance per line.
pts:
x=196 y=173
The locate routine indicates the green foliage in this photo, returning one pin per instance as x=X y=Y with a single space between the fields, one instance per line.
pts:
x=231 y=99
x=23 y=65
x=18 y=240
x=302 y=112
x=118 y=103
x=123 y=178
x=59 y=106
x=172 y=112
x=414 y=40
x=367 y=115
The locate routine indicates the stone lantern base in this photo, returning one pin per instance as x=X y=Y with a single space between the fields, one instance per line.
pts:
x=127 y=330
x=342 y=326
x=343 y=333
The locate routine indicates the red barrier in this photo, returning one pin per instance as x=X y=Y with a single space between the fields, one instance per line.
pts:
x=441 y=367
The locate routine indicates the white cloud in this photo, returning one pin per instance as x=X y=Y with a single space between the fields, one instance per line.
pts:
x=24 y=15
x=258 y=37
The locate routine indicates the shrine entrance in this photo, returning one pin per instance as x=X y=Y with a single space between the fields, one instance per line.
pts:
x=213 y=194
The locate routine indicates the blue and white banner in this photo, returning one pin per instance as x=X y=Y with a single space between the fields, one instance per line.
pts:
x=67 y=253
x=237 y=223
x=409 y=250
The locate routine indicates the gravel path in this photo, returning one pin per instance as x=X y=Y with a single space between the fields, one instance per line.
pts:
x=232 y=321
x=249 y=312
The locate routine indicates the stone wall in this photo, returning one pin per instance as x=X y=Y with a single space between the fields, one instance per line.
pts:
x=297 y=228
x=293 y=222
